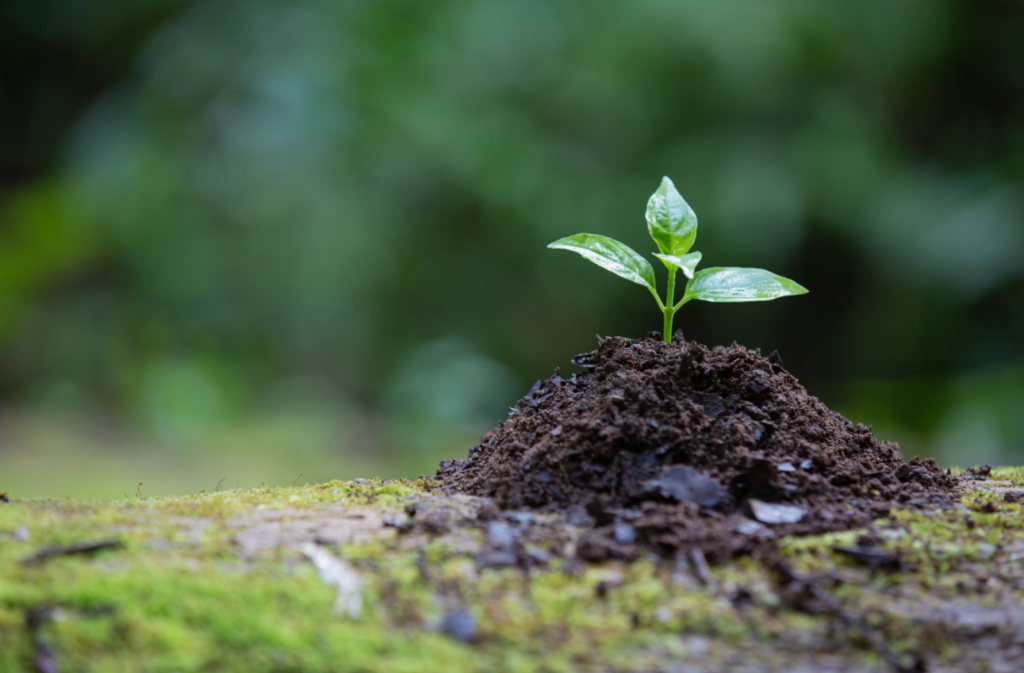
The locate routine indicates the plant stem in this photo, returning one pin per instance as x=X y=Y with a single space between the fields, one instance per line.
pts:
x=669 y=311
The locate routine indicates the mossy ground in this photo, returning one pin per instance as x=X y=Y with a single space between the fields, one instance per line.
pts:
x=181 y=594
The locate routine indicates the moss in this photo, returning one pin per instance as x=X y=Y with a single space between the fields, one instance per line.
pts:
x=1014 y=475
x=180 y=595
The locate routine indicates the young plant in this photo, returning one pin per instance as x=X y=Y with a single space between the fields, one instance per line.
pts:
x=673 y=226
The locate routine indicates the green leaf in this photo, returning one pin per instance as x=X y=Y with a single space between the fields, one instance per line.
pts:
x=729 y=284
x=608 y=253
x=670 y=220
x=687 y=262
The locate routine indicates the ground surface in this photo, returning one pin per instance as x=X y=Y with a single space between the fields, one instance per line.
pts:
x=226 y=582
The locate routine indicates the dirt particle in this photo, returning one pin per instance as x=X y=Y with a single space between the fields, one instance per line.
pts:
x=601 y=590
x=979 y=472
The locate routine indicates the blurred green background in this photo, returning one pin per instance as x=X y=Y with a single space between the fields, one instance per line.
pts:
x=268 y=242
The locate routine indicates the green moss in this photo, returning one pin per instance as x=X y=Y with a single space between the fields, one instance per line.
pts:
x=180 y=595
x=1011 y=474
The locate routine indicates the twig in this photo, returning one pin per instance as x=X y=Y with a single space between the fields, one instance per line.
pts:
x=84 y=548
x=43 y=656
x=700 y=567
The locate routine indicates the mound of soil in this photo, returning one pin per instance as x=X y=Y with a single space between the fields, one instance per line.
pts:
x=677 y=447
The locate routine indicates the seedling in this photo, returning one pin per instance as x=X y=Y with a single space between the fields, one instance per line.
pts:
x=673 y=226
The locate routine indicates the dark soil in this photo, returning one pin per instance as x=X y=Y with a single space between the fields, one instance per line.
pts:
x=683 y=449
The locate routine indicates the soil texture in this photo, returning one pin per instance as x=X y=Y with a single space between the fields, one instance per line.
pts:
x=689 y=451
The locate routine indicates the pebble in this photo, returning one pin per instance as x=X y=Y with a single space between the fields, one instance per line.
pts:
x=460 y=625
x=520 y=517
x=499 y=534
x=624 y=534
x=771 y=513
x=498 y=549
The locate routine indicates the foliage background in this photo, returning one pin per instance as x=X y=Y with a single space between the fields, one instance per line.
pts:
x=275 y=241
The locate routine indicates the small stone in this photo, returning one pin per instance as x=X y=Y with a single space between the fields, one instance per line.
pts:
x=21 y=534
x=539 y=556
x=499 y=546
x=335 y=572
x=625 y=534
x=684 y=483
x=523 y=518
x=578 y=516
x=460 y=625
x=712 y=404
x=499 y=534
x=403 y=525
x=360 y=480
x=749 y=527
x=870 y=556
x=770 y=513
x=786 y=467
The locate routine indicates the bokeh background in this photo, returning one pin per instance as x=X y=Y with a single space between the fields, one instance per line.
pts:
x=275 y=242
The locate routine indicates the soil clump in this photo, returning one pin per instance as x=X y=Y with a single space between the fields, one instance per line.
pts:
x=684 y=449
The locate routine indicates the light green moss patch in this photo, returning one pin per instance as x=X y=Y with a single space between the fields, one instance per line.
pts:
x=181 y=595
x=1012 y=474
